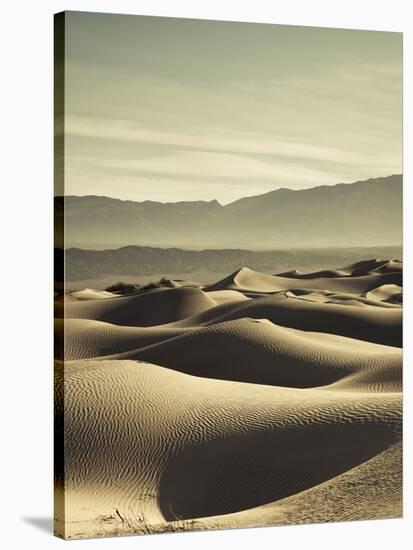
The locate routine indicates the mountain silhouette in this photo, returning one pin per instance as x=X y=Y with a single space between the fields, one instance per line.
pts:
x=364 y=213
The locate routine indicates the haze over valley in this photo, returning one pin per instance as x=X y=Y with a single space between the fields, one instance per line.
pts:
x=365 y=213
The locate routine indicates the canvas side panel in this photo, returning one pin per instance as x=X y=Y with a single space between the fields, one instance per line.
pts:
x=59 y=102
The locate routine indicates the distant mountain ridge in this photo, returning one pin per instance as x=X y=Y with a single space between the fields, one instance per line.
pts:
x=145 y=260
x=364 y=213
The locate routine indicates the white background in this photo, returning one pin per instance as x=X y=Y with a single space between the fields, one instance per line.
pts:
x=26 y=268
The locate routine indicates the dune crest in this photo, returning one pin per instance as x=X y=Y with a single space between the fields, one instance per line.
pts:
x=247 y=350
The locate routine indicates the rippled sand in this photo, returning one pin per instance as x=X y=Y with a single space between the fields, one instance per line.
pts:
x=258 y=400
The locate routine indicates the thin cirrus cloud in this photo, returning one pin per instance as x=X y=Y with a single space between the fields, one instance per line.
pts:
x=225 y=141
x=226 y=165
x=185 y=110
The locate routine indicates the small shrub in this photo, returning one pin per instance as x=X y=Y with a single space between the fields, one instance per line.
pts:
x=162 y=283
x=126 y=288
x=149 y=286
x=122 y=288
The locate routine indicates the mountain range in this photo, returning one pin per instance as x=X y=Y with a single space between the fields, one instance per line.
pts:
x=364 y=213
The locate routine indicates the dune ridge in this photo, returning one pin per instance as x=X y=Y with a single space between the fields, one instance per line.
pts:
x=248 y=350
x=154 y=307
x=247 y=280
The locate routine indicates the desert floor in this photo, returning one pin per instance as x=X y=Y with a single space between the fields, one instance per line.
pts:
x=256 y=400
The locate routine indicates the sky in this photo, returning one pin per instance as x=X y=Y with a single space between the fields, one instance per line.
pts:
x=176 y=109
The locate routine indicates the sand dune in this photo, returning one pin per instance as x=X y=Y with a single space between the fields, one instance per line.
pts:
x=382 y=326
x=329 y=297
x=85 y=338
x=375 y=266
x=247 y=280
x=225 y=296
x=155 y=307
x=386 y=293
x=90 y=294
x=247 y=350
x=364 y=267
x=227 y=447
x=191 y=307
x=372 y=490
x=256 y=400
x=324 y=273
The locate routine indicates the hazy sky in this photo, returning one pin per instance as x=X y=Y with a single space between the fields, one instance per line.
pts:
x=173 y=109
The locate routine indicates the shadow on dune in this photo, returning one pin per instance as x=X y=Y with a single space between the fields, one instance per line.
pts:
x=371 y=325
x=154 y=307
x=246 y=471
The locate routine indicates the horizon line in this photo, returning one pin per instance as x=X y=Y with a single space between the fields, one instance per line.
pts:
x=236 y=200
